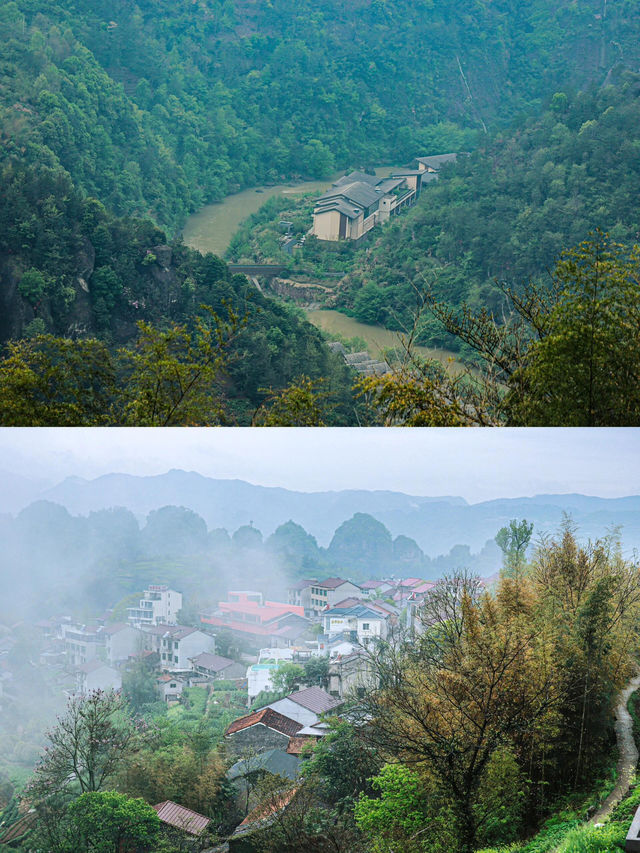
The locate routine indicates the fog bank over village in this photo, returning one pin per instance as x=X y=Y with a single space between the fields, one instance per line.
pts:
x=252 y=610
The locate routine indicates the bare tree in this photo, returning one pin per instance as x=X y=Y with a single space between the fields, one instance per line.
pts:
x=86 y=745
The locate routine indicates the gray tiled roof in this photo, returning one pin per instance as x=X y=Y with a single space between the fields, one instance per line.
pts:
x=214 y=663
x=314 y=699
x=352 y=177
x=357 y=192
x=341 y=205
x=275 y=761
x=435 y=161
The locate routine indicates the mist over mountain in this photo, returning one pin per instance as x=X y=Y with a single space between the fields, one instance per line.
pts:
x=436 y=523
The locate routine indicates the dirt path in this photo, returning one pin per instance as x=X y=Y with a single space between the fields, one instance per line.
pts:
x=628 y=759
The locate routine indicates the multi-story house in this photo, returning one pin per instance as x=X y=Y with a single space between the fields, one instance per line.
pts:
x=122 y=641
x=364 y=623
x=158 y=606
x=175 y=645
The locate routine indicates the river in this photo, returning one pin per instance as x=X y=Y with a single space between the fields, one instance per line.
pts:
x=376 y=338
x=213 y=226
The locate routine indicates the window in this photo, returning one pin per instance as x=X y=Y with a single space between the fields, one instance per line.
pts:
x=175 y=658
x=173 y=684
x=365 y=626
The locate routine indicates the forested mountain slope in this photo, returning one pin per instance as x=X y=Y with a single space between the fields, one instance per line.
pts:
x=505 y=212
x=118 y=119
x=155 y=107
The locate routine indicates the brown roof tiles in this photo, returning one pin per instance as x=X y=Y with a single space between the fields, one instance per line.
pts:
x=267 y=717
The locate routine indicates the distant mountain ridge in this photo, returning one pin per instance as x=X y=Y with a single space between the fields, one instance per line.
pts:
x=436 y=523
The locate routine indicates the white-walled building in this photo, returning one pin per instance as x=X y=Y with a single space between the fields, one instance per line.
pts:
x=176 y=645
x=122 y=641
x=306 y=706
x=97 y=675
x=315 y=596
x=170 y=688
x=159 y=606
x=82 y=643
x=364 y=623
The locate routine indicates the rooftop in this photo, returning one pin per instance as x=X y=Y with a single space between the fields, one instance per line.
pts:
x=275 y=761
x=314 y=699
x=182 y=818
x=215 y=663
x=436 y=161
x=178 y=632
x=332 y=583
x=266 y=717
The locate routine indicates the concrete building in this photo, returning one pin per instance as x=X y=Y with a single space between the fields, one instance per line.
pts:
x=82 y=643
x=170 y=687
x=365 y=624
x=121 y=641
x=306 y=706
x=158 y=606
x=216 y=667
x=358 y=202
x=176 y=645
x=350 y=676
x=252 y=618
x=97 y=675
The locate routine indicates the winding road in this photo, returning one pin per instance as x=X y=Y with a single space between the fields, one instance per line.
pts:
x=628 y=759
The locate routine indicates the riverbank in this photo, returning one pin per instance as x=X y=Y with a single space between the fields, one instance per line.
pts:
x=376 y=338
x=213 y=226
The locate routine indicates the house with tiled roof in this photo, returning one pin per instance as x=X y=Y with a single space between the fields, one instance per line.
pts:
x=435 y=162
x=261 y=730
x=217 y=667
x=169 y=687
x=306 y=706
x=249 y=616
x=97 y=675
x=357 y=202
x=364 y=622
x=178 y=817
x=177 y=644
x=121 y=641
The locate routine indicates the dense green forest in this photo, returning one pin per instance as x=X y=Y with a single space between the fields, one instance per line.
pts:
x=506 y=211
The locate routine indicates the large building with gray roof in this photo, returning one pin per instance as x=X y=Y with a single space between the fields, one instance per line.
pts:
x=358 y=201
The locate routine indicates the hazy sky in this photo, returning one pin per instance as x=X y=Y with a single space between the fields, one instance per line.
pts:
x=478 y=464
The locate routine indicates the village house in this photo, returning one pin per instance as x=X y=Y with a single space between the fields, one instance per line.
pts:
x=351 y=676
x=176 y=817
x=158 y=606
x=375 y=587
x=82 y=643
x=169 y=687
x=256 y=621
x=306 y=707
x=177 y=644
x=261 y=730
x=121 y=641
x=97 y=675
x=359 y=201
x=327 y=593
x=433 y=164
x=246 y=773
x=215 y=667
x=364 y=623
